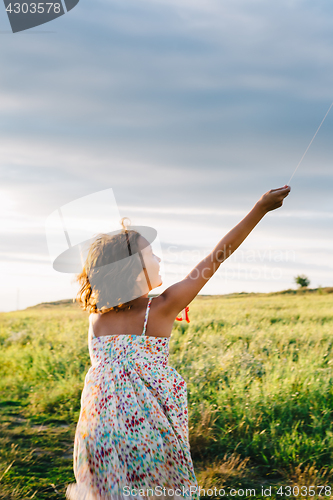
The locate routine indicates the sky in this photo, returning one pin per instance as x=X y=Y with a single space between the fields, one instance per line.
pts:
x=189 y=111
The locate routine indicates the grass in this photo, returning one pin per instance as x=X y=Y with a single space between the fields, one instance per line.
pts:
x=259 y=376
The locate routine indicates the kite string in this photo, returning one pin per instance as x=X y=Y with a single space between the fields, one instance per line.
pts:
x=310 y=143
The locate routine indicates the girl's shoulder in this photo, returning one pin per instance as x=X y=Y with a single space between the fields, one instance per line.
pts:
x=131 y=322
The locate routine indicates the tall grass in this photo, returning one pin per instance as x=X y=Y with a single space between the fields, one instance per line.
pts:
x=259 y=375
x=259 y=371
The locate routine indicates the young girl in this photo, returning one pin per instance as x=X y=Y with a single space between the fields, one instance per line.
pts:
x=132 y=435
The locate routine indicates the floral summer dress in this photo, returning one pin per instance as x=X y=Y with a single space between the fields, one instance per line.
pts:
x=132 y=433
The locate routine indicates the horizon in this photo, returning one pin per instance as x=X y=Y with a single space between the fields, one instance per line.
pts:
x=299 y=290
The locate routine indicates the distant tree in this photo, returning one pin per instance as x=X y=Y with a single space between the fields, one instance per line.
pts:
x=302 y=281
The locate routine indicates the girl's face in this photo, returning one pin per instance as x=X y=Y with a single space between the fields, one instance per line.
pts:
x=152 y=263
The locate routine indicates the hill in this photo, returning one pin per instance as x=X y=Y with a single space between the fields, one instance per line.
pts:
x=290 y=291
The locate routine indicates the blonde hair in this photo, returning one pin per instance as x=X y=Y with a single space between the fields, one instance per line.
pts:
x=113 y=280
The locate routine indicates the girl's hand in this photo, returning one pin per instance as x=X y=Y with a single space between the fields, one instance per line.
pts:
x=273 y=199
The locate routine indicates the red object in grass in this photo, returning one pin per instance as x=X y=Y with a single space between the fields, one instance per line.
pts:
x=184 y=315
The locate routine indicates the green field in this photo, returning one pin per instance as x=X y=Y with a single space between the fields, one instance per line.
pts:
x=259 y=373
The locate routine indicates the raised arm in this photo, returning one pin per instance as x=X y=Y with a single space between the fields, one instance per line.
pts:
x=179 y=295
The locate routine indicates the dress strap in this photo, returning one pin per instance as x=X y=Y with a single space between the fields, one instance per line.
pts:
x=146 y=316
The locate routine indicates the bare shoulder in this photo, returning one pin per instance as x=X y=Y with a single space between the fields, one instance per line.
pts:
x=165 y=309
x=93 y=317
x=175 y=298
x=160 y=322
x=161 y=306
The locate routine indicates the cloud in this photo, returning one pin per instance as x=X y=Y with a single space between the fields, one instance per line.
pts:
x=189 y=110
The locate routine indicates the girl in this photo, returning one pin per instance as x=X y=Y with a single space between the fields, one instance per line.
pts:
x=132 y=435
